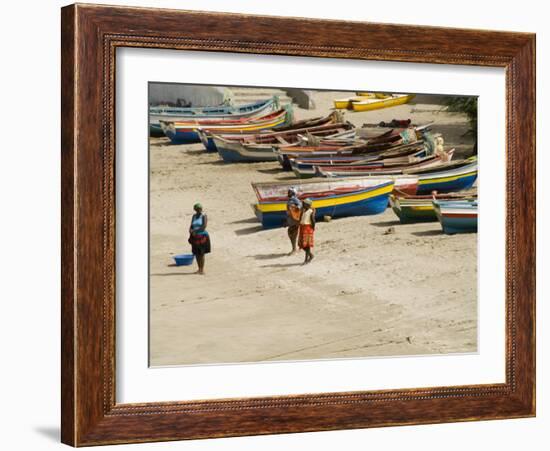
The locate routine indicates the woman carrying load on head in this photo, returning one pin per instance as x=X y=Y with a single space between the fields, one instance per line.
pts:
x=293 y=211
x=199 y=237
x=307 y=229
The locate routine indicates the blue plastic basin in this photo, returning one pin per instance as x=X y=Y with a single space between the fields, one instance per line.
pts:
x=184 y=259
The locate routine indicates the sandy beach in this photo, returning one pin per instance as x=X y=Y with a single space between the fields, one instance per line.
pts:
x=375 y=287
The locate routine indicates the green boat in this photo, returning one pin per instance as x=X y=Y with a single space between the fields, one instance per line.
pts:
x=419 y=208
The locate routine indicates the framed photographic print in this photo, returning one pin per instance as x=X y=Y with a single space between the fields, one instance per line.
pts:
x=266 y=230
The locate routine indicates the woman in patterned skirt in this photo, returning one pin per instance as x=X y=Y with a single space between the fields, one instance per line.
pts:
x=307 y=229
x=199 y=237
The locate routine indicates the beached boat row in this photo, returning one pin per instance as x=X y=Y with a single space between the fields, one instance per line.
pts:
x=357 y=196
x=348 y=173
x=187 y=131
x=222 y=112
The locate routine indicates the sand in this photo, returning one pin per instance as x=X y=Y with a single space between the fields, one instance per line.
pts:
x=375 y=287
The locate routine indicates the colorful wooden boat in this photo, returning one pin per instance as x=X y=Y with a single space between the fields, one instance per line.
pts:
x=376 y=104
x=207 y=140
x=346 y=102
x=187 y=132
x=396 y=140
x=304 y=167
x=368 y=95
x=456 y=216
x=419 y=208
x=277 y=190
x=457 y=179
x=233 y=151
x=216 y=112
x=255 y=109
x=448 y=181
x=336 y=204
x=432 y=163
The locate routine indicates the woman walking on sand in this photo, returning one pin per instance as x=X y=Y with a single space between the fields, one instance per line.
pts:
x=293 y=211
x=198 y=236
x=307 y=229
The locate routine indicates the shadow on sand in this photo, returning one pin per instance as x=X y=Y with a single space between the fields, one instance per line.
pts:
x=427 y=233
x=163 y=143
x=385 y=223
x=249 y=230
x=245 y=221
x=164 y=274
x=269 y=256
x=282 y=265
x=195 y=151
x=173 y=265
x=213 y=163
x=289 y=177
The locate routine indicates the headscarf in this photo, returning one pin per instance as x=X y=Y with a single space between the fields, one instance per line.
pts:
x=197 y=205
x=293 y=201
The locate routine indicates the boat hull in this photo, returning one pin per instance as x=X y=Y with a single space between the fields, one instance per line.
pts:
x=156 y=130
x=188 y=132
x=380 y=103
x=448 y=184
x=370 y=201
x=442 y=182
x=456 y=217
x=409 y=213
x=214 y=112
x=238 y=152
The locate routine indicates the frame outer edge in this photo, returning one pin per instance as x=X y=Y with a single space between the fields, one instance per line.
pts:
x=68 y=229
x=86 y=419
x=525 y=63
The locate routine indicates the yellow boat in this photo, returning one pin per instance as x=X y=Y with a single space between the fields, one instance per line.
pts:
x=376 y=104
x=373 y=95
x=345 y=104
x=368 y=95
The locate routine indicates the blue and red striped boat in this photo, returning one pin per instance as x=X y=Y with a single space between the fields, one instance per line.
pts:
x=456 y=216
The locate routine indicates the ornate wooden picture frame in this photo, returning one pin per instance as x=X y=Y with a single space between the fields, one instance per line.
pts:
x=90 y=37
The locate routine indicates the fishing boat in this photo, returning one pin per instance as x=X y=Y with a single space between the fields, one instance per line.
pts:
x=346 y=102
x=279 y=189
x=336 y=203
x=456 y=216
x=286 y=154
x=206 y=136
x=232 y=149
x=377 y=104
x=447 y=181
x=220 y=112
x=255 y=109
x=419 y=208
x=396 y=140
x=444 y=181
x=417 y=164
x=235 y=151
x=187 y=132
x=304 y=167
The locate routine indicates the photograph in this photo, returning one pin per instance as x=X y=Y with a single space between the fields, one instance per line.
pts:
x=291 y=224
